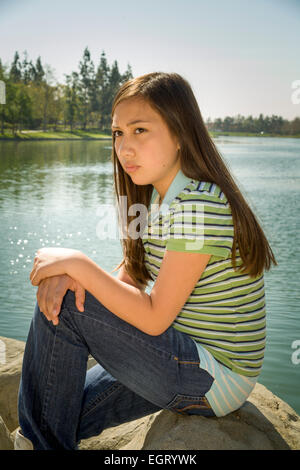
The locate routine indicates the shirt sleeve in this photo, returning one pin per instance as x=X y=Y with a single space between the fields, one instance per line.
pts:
x=201 y=223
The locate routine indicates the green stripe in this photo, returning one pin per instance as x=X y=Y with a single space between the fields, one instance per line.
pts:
x=184 y=245
x=221 y=317
x=209 y=336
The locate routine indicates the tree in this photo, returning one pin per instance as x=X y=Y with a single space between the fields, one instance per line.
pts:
x=38 y=71
x=127 y=75
x=18 y=106
x=71 y=92
x=249 y=124
x=102 y=87
x=33 y=99
x=115 y=80
x=48 y=93
x=228 y=123
x=86 y=86
x=23 y=107
x=28 y=71
x=295 y=126
x=15 y=74
x=56 y=105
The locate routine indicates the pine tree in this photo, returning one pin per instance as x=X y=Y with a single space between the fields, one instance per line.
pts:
x=38 y=71
x=26 y=69
x=71 y=92
x=24 y=108
x=87 y=78
x=15 y=74
x=115 y=80
x=103 y=90
x=127 y=75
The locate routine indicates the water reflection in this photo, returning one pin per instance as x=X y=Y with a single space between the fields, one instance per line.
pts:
x=44 y=170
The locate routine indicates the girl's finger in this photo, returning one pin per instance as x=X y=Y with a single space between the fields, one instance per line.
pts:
x=35 y=280
x=32 y=275
x=41 y=295
x=55 y=310
x=55 y=313
x=80 y=297
x=55 y=295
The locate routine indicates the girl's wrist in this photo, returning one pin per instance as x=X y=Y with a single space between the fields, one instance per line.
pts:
x=75 y=262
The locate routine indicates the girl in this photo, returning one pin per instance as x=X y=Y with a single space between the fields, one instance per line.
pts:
x=195 y=344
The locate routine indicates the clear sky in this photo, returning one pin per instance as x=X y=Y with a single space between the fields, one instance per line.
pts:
x=240 y=56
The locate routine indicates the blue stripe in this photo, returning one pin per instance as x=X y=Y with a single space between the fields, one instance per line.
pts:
x=229 y=390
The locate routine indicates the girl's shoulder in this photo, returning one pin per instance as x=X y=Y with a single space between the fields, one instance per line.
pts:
x=203 y=191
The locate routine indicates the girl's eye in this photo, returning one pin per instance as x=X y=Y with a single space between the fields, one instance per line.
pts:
x=115 y=133
x=140 y=129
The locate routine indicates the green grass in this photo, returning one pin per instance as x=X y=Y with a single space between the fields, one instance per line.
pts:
x=58 y=135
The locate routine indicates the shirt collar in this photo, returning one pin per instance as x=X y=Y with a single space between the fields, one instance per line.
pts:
x=177 y=185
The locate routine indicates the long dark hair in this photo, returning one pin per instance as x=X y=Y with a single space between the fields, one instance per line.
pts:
x=172 y=96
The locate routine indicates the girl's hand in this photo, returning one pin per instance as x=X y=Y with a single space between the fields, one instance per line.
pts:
x=51 y=262
x=51 y=292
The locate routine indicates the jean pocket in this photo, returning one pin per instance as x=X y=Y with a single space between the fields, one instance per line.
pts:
x=190 y=405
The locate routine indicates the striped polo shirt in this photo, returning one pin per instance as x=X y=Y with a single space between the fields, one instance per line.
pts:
x=225 y=313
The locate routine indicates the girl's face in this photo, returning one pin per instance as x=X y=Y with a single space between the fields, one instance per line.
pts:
x=144 y=141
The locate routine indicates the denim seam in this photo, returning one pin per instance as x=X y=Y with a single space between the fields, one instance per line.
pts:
x=192 y=363
x=101 y=398
x=196 y=399
x=48 y=387
x=189 y=397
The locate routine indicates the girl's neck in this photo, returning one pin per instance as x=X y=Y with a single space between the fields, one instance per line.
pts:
x=157 y=200
x=163 y=187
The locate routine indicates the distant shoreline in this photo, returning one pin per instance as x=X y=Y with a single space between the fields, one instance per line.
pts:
x=58 y=135
x=94 y=135
x=251 y=134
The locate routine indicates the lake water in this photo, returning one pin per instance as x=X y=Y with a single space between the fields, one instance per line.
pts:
x=53 y=194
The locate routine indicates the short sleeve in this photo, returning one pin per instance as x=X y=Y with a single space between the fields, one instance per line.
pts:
x=201 y=223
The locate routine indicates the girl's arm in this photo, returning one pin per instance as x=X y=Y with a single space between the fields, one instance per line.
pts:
x=151 y=313
x=126 y=301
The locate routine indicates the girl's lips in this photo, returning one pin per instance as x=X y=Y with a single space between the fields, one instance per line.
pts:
x=130 y=169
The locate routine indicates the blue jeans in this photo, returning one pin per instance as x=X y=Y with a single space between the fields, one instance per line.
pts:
x=60 y=402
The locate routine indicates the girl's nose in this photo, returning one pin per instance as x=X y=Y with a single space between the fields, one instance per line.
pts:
x=124 y=147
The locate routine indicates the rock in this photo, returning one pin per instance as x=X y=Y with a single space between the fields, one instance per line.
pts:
x=263 y=422
x=10 y=371
x=12 y=351
x=6 y=442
